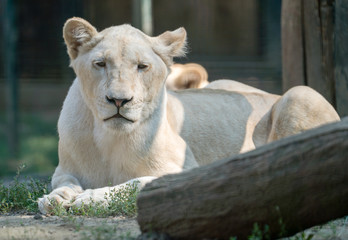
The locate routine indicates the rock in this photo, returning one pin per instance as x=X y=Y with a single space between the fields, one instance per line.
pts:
x=38 y=216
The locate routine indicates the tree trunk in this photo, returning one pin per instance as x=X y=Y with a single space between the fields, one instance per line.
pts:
x=318 y=34
x=341 y=53
x=308 y=44
x=293 y=61
x=301 y=180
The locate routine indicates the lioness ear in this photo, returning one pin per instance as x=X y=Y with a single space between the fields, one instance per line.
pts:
x=170 y=44
x=77 y=32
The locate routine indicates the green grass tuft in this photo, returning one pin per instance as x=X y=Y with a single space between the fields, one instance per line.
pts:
x=260 y=234
x=119 y=202
x=22 y=196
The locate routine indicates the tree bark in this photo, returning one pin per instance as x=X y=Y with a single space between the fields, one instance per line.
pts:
x=341 y=53
x=318 y=36
x=293 y=63
x=327 y=38
x=302 y=180
x=308 y=44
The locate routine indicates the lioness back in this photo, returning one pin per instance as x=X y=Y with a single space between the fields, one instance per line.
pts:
x=216 y=123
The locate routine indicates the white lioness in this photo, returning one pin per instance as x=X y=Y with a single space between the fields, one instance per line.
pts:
x=119 y=123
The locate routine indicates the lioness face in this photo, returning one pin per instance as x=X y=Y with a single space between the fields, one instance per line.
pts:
x=121 y=71
x=121 y=77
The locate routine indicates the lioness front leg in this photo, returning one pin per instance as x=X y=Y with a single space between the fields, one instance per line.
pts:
x=102 y=195
x=66 y=188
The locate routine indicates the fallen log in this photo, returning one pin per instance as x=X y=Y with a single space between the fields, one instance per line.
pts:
x=301 y=180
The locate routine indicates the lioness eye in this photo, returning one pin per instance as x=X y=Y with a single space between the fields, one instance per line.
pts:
x=142 y=66
x=100 y=64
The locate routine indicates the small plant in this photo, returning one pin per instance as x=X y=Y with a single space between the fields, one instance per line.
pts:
x=303 y=236
x=333 y=228
x=123 y=201
x=21 y=196
x=259 y=233
x=281 y=223
x=57 y=209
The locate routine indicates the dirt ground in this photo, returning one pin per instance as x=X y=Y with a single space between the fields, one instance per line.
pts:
x=333 y=230
x=42 y=227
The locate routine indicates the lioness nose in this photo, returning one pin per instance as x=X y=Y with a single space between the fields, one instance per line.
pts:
x=118 y=102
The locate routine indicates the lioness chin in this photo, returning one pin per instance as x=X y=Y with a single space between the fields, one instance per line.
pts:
x=119 y=123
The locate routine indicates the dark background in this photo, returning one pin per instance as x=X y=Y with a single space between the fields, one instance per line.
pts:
x=237 y=39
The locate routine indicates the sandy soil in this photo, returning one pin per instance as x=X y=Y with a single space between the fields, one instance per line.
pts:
x=42 y=227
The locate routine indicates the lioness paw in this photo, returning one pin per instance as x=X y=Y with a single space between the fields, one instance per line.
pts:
x=61 y=196
x=92 y=196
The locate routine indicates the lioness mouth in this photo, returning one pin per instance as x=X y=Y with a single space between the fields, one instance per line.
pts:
x=117 y=115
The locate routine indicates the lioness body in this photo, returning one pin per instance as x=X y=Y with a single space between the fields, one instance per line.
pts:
x=84 y=144
x=119 y=123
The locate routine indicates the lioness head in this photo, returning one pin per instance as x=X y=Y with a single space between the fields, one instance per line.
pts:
x=121 y=71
